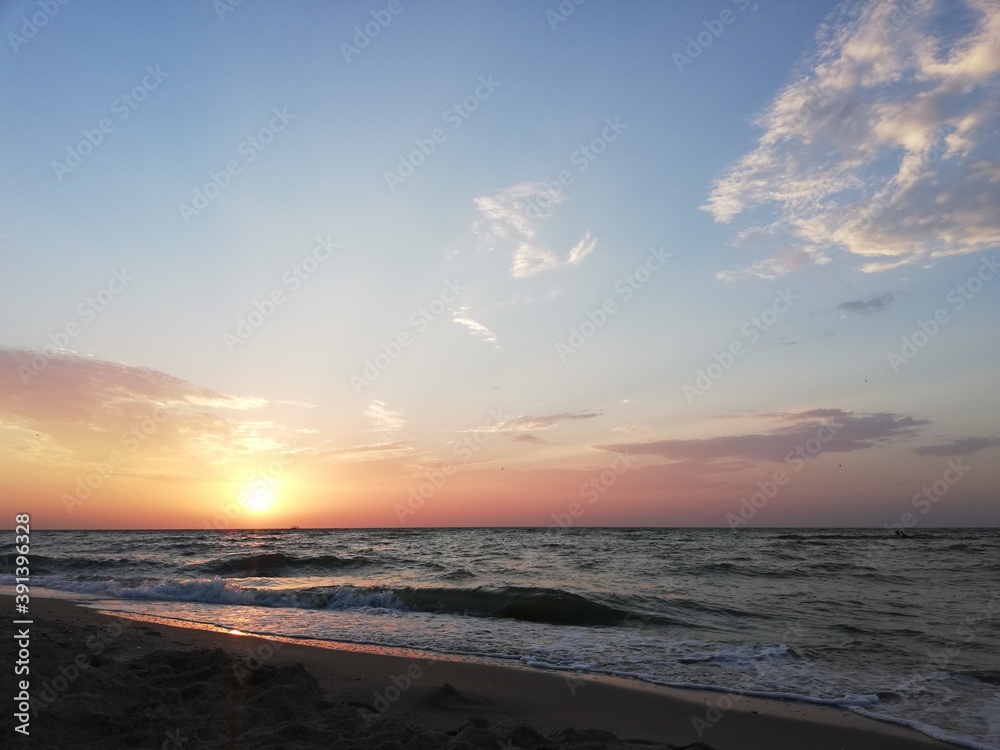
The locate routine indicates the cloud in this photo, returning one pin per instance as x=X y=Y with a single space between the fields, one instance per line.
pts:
x=851 y=432
x=528 y=438
x=767 y=269
x=795 y=416
x=387 y=421
x=77 y=410
x=961 y=447
x=475 y=327
x=528 y=423
x=530 y=260
x=510 y=218
x=788 y=261
x=882 y=147
x=873 y=304
x=581 y=249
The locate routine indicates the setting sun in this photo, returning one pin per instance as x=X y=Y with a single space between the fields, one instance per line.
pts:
x=259 y=494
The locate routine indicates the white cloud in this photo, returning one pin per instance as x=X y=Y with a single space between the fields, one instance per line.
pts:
x=581 y=249
x=532 y=423
x=475 y=327
x=530 y=259
x=510 y=219
x=884 y=146
x=387 y=420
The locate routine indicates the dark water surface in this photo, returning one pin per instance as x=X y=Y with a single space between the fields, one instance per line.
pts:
x=907 y=629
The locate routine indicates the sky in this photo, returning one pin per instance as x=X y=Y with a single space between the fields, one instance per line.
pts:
x=401 y=264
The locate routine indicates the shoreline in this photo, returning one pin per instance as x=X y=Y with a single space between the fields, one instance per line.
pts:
x=417 y=692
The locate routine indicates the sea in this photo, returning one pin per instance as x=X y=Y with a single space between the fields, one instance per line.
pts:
x=903 y=630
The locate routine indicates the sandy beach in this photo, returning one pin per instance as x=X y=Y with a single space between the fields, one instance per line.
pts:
x=107 y=682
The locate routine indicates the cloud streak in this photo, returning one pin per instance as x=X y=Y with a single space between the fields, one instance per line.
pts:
x=876 y=303
x=475 y=327
x=529 y=423
x=853 y=432
x=961 y=447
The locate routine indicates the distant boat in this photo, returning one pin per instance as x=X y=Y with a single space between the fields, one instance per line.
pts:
x=295 y=527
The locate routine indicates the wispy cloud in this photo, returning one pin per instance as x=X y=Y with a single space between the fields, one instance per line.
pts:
x=529 y=423
x=529 y=438
x=772 y=268
x=853 y=432
x=872 y=304
x=961 y=447
x=510 y=219
x=883 y=147
x=387 y=421
x=462 y=318
x=581 y=249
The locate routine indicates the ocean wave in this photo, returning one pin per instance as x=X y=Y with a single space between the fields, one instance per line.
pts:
x=277 y=564
x=529 y=604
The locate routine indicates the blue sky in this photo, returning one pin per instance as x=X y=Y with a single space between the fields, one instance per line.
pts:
x=843 y=157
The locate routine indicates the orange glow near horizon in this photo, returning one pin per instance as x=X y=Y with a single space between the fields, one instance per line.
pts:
x=98 y=445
